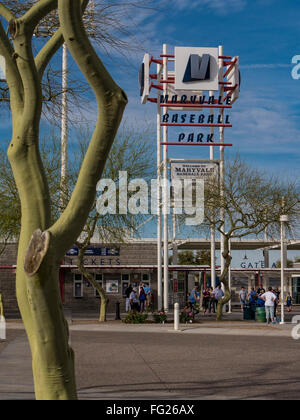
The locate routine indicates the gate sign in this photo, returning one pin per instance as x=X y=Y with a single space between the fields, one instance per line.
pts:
x=196 y=69
x=193 y=171
x=2 y=68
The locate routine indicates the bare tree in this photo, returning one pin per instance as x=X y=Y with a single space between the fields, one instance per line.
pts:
x=42 y=244
x=111 y=26
x=252 y=201
x=132 y=153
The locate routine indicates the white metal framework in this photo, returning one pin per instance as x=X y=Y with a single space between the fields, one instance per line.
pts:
x=164 y=81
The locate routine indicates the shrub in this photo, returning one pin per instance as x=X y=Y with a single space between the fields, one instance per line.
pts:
x=135 y=318
x=160 y=317
x=185 y=317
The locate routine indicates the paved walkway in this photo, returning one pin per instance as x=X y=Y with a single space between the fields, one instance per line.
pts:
x=147 y=351
x=212 y=328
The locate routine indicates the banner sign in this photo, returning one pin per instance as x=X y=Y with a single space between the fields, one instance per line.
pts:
x=192 y=170
x=95 y=252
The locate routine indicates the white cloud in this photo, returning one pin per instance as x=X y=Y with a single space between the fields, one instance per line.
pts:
x=264 y=124
x=265 y=66
x=221 y=7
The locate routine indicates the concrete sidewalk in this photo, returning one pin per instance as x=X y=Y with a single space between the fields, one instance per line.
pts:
x=152 y=361
x=204 y=328
x=16 y=381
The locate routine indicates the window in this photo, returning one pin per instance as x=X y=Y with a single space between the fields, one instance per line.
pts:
x=125 y=283
x=180 y=286
x=112 y=286
x=98 y=279
x=78 y=286
x=146 y=279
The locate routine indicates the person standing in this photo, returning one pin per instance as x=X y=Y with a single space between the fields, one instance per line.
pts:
x=148 y=295
x=252 y=296
x=269 y=298
x=218 y=294
x=127 y=294
x=134 y=302
x=243 y=297
x=260 y=302
x=206 y=299
x=212 y=304
x=142 y=299
x=194 y=296
x=289 y=302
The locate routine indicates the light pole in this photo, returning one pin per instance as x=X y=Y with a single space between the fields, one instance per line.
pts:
x=283 y=220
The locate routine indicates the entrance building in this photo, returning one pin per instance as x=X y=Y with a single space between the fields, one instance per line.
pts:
x=116 y=266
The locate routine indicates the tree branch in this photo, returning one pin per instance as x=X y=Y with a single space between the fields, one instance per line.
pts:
x=6 y=13
x=38 y=12
x=47 y=52
x=111 y=104
x=12 y=74
x=50 y=48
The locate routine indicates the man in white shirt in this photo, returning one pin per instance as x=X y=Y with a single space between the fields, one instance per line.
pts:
x=134 y=301
x=270 y=299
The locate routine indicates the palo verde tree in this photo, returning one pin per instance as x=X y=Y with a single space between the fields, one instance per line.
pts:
x=251 y=202
x=132 y=154
x=42 y=244
x=10 y=206
x=112 y=27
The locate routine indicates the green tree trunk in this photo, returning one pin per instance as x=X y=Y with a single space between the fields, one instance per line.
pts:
x=42 y=245
x=103 y=305
x=90 y=278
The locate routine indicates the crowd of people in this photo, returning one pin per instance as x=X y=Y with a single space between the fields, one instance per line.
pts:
x=269 y=300
x=210 y=300
x=256 y=298
x=139 y=298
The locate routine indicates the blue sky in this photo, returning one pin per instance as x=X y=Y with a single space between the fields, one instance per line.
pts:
x=264 y=34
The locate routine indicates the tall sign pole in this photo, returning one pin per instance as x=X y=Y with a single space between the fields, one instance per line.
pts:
x=222 y=157
x=159 y=201
x=197 y=70
x=212 y=229
x=165 y=188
